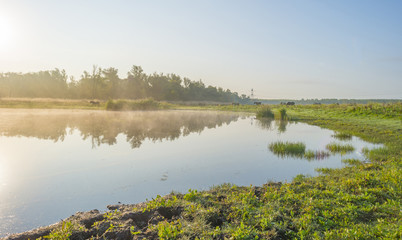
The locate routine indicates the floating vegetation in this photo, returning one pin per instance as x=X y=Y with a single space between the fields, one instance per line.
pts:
x=342 y=136
x=315 y=155
x=288 y=149
x=265 y=112
x=339 y=148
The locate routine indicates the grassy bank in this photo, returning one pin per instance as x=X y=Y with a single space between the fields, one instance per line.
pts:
x=50 y=103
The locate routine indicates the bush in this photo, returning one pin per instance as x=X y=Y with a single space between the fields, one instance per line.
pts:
x=143 y=104
x=282 y=113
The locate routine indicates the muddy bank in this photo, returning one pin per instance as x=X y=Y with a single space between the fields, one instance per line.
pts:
x=119 y=222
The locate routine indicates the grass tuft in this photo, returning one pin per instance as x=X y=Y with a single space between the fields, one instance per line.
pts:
x=288 y=149
x=339 y=148
x=315 y=155
x=342 y=136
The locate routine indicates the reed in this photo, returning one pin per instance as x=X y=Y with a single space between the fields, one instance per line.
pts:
x=296 y=149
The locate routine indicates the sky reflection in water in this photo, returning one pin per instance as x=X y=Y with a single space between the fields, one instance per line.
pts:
x=56 y=162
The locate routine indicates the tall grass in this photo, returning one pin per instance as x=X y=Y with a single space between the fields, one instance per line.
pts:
x=265 y=112
x=143 y=104
x=315 y=155
x=339 y=148
x=282 y=114
x=288 y=149
x=342 y=136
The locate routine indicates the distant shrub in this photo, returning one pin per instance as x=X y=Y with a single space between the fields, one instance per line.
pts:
x=265 y=112
x=142 y=104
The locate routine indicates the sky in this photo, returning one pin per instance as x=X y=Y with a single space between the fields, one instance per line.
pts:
x=281 y=49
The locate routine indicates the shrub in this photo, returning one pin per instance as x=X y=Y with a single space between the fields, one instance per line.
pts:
x=265 y=112
x=282 y=114
x=142 y=104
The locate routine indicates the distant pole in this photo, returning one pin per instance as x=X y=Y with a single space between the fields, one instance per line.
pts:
x=252 y=94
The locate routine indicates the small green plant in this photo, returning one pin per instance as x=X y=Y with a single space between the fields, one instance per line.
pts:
x=342 y=136
x=169 y=230
x=265 y=112
x=161 y=202
x=288 y=149
x=191 y=195
x=62 y=233
x=339 y=148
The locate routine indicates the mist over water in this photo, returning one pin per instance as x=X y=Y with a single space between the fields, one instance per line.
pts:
x=54 y=163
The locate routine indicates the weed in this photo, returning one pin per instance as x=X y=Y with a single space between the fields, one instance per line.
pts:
x=64 y=232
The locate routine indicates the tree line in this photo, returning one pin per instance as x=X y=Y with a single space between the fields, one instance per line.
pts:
x=106 y=84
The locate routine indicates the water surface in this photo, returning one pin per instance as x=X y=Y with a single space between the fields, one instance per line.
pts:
x=56 y=162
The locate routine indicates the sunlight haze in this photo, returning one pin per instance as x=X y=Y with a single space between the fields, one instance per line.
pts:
x=281 y=49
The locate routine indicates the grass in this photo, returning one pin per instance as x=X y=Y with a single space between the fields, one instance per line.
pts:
x=342 y=136
x=339 y=148
x=142 y=104
x=282 y=149
x=282 y=114
x=49 y=103
x=265 y=112
x=315 y=155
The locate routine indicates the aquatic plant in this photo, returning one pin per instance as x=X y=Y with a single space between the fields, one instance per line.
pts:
x=282 y=149
x=342 y=136
x=339 y=148
x=317 y=155
x=282 y=113
x=265 y=112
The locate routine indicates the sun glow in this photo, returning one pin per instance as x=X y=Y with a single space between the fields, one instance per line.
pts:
x=6 y=34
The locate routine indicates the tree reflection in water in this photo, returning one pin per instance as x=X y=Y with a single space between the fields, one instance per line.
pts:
x=104 y=127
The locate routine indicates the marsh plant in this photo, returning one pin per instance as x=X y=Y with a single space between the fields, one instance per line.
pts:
x=282 y=149
x=265 y=112
x=315 y=155
x=339 y=148
x=282 y=114
x=342 y=136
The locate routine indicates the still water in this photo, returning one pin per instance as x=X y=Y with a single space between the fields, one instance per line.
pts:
x=54 y=163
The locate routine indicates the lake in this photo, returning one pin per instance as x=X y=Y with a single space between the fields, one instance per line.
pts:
x=54 y=163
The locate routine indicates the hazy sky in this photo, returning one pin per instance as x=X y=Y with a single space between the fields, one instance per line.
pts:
x=281 y=49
